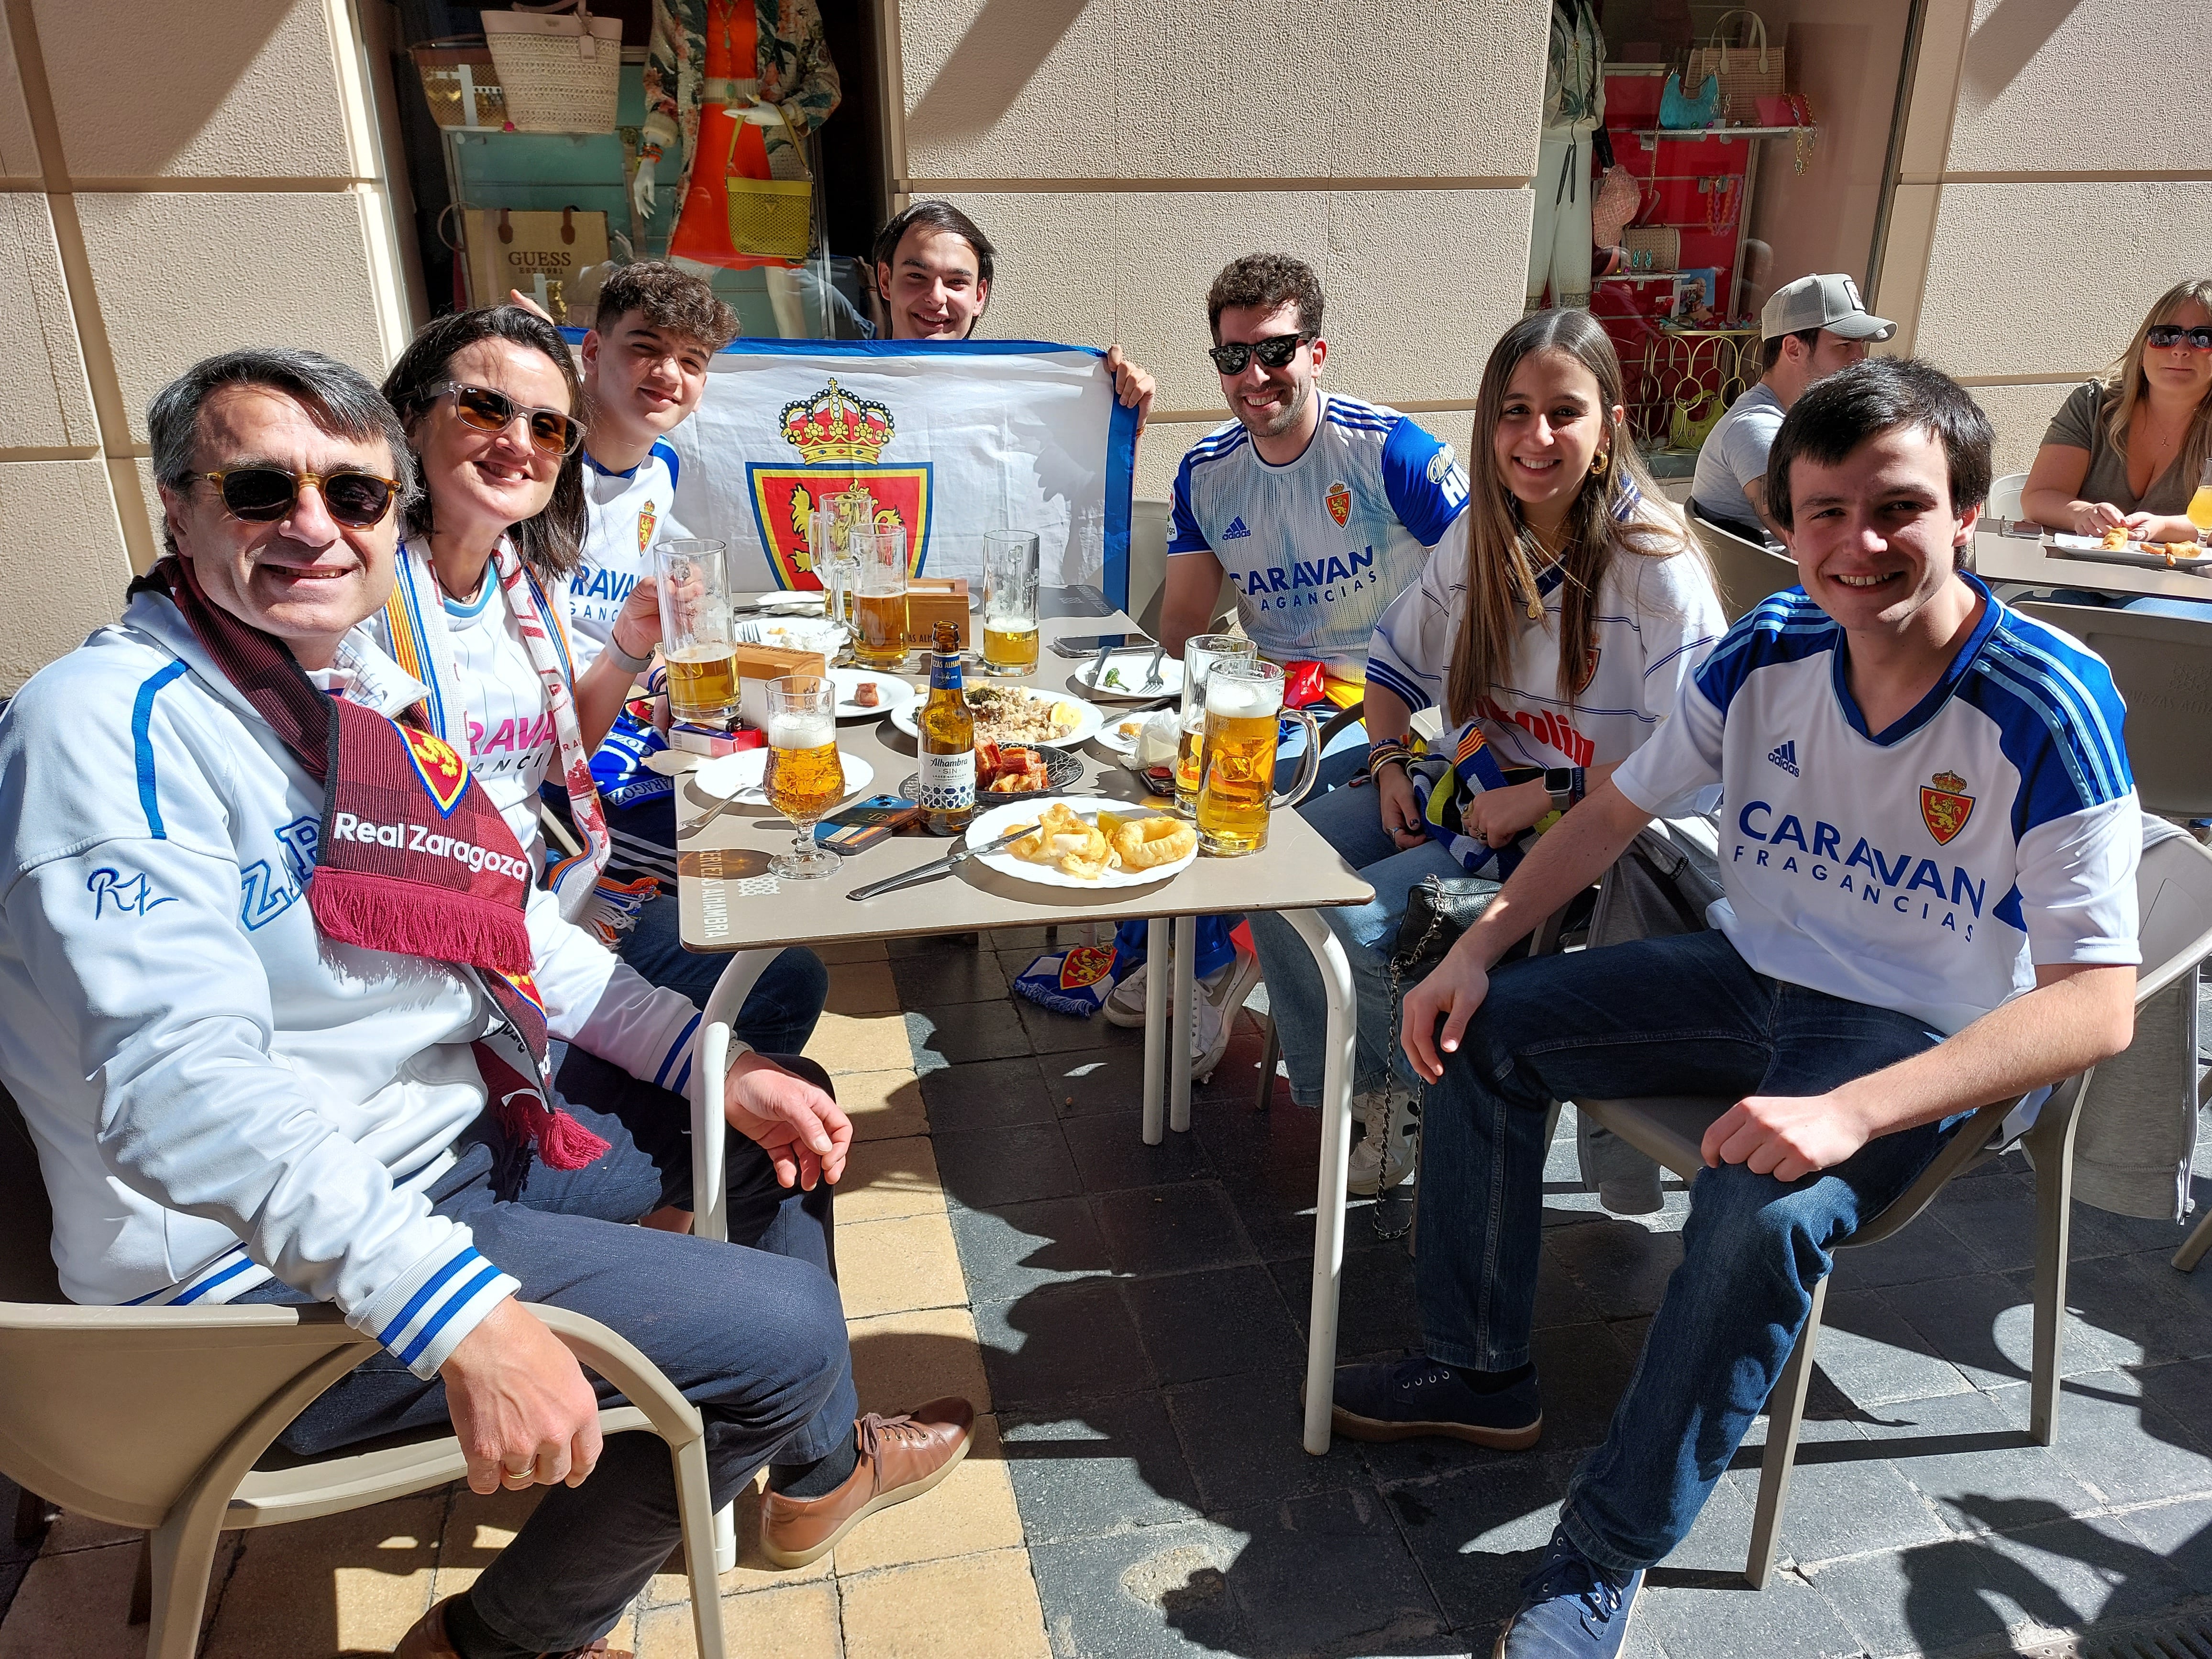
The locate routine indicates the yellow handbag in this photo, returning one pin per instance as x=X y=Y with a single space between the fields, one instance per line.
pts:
x=773 y=218
x=1687 y=431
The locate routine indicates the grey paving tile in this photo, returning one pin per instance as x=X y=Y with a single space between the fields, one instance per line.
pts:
x=1054 y=1033
x=2137 y=1301
x=1478 y=1530
x=1727 y=1618
x=954 y=1034
x=2125 y=1446
x=1064 y=1342
x=932 y=979
x=1376 y=1310
x=989 y=1169
x=1872 y=1354
x=1110 y=1466
x=2178 y=1534
x=1222 y=1323
x=1153 y=1593
x=1973 y=1594
x=1621 y=1266
x=1329 y=1574
x=1110 y=1080
x=1961 y=1447
x=1581 y=1371
x=1007 y=1253
x=937 y=946
x=986 y=1094
x=1984 y=1325
x=1845 y=1499
x=1993 y=1215
x=1927 y=1249
x=1240 y=1437
x=2185 y=1390
x=1110 y=1153
x=1158 y=1229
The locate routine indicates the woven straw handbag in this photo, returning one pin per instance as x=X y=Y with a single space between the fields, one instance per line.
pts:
x=1748 y=70
x=1662 y=242
x=560 y=67
x=773 y=218
x=1619 y=197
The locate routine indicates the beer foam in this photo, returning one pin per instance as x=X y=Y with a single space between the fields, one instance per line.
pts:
x=1236 y=698
x=801 y=731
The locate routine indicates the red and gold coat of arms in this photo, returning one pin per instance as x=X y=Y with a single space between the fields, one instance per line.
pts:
x=838 y=437
x=1945 y=807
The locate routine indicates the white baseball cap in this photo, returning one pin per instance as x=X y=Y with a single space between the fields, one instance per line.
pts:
x=1832 y=302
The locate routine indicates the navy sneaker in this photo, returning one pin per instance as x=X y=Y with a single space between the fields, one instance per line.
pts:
x=1417 y=1395
x=1570 y=1608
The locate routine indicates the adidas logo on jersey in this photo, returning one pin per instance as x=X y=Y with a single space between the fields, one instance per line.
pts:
x=1786 y=757
x=1235 y=530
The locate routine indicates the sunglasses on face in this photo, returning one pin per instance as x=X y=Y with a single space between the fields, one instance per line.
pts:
x=1273 y=353
x=263 y=494
x=551 y=433
x=2166 y=336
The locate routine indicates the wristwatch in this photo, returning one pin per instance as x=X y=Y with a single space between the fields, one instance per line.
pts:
x=1559 y=785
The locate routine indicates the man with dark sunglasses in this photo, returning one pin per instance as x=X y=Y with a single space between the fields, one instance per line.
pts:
x=1319 y=508
x=291 y=1023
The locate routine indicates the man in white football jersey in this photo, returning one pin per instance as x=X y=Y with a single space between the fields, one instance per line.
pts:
x=1929 y=846
x=1320 y=506
x=645 y=371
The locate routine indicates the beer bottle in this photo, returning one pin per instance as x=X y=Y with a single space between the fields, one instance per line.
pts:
x=946 y=727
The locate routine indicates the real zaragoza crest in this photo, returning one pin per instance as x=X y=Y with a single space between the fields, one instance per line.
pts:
x=1944 y=805
x=838 y=437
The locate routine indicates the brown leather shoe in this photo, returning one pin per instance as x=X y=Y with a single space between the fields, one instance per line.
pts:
x=429 y=1640
x=901 y=1457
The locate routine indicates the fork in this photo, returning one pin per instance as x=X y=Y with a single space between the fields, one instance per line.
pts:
x=1152 y=680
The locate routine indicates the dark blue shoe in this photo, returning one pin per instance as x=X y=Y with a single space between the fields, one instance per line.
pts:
x=1570 y=1608
x=1417 y=1395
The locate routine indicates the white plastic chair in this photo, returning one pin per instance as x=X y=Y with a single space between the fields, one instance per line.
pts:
x=2174 y=906
x=2004 y=496
x=157 y=1417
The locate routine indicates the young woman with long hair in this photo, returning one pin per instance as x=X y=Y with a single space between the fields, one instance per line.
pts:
x=2129 y=448
x=491 y=401
x=1553 y=625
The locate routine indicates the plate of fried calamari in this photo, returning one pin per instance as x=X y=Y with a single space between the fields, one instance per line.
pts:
x=1075 y=842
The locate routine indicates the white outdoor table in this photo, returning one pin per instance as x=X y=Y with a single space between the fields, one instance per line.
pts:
x=2006 y=558
x=729 y=903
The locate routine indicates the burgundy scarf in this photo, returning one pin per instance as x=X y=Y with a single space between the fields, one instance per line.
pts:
x=413 y=858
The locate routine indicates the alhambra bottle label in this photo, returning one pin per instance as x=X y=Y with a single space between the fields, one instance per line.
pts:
x=945 y=789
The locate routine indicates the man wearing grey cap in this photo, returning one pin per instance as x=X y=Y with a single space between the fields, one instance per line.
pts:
x=1810 y=328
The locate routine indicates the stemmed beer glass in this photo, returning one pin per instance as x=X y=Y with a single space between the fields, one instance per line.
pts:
x=804 y=777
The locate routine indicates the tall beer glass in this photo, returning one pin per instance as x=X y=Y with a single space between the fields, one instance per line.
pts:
x=1010 y=601
x=1201 y=653
x=1244 y=711
x=804 y=777
x=880 y=598
x=829 y=538
x=695 y=637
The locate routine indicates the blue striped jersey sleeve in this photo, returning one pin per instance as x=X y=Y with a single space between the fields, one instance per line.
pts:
x=1426 y=486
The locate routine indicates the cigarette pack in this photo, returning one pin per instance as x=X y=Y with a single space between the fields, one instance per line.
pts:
x=711 y=740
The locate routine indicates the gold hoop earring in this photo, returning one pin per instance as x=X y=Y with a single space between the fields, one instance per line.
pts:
x=1599 y=463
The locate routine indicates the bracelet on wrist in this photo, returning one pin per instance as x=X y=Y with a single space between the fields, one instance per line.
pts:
x=1580 y=786
x=623 y=660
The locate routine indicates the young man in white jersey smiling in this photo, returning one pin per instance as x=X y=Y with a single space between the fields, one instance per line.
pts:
x=1320 y=508
x=1928 y=843
x=645 y=371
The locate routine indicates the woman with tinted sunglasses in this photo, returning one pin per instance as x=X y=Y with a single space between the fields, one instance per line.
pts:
x=2128 y=447
x=479 y=615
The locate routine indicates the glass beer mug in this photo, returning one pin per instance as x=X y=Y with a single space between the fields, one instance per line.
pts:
x=1201 y=654
x=695 y=638
x=880 y=598
x=1237 y=789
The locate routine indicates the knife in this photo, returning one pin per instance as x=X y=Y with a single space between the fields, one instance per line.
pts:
x=938 y=866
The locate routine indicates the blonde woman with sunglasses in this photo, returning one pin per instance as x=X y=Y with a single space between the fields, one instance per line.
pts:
x=2129 y=447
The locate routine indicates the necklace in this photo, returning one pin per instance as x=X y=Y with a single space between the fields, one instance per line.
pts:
x=440 y=576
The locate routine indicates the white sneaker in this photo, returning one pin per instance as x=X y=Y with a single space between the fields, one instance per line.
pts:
x=1384 y=1157
x=1125 y=1006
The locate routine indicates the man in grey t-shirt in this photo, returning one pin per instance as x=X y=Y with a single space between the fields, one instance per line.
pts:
x=1809 y=329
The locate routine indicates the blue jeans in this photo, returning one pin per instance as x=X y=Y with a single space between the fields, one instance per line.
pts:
x=1680 y=1015
x=752 y=1333
x=779 y=1012
x=1351 y=821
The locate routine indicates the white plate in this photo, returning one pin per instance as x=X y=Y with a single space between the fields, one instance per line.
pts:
x=1086 y=727
x=794 y=634
x=894 y=692
x=800 y=602
x=2134 y=553
x=989 y=826
x=1130 y=666
x=740 y=776
x=1110 y=735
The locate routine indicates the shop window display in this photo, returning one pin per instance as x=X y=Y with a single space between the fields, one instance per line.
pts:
x=743 y=145
x=1710 y=153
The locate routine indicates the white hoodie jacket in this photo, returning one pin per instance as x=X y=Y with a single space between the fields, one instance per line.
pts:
x=218 y=1094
